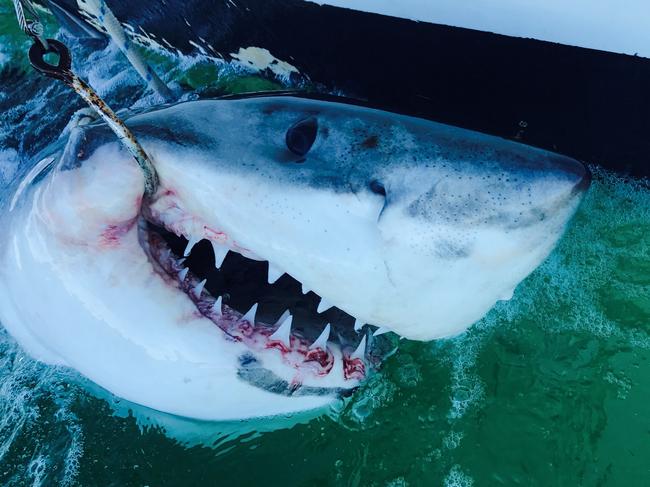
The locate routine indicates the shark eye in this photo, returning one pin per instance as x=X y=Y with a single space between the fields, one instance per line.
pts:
x=377 y=188
x=301 y=136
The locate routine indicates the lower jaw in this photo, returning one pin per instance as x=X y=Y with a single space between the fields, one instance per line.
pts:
x=303 y=360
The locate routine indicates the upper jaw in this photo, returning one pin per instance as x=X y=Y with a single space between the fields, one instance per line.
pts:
x=337 y=358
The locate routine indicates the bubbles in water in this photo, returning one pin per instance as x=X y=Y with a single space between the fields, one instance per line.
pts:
x=9 y=161
x=398 y=482
x=36 y=470
x=596 y=281
x=40 y=437
x=457 y=478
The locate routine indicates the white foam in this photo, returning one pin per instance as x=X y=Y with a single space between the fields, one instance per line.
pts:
x=36 y=470
x=457 y=478
x=588 y=261
x=259 y=59
x=9 y=160
x=27 y=389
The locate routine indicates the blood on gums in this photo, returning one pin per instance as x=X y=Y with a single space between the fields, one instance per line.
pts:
x=354 y=368
x=247 y=329
x=217 y=235
x=321 y=357
x=278 y=345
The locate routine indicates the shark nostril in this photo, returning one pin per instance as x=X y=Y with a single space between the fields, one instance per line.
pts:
x=377 y=188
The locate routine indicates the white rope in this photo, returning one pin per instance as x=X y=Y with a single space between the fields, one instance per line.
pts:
x=124 y=135
x=33 y=28
x=20 y=15
x=105 y=16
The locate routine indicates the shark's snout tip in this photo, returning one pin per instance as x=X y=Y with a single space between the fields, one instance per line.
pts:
x=578 y=173
x=585 y=180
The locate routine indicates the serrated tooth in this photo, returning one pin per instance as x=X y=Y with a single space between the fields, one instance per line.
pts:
x=250 y=315
x=357 y=325
x=305 y=289
x=282 y=317
x=323 y=305
x=380 y=331
x=274 y=274
x=360 y=352
x=216 y=307
x=180 y=262
x=321 y=341
x=166 y=254
x=183 y=274
x=283 y=334
x=192 y=241
x=220 y=252
x=198 y=289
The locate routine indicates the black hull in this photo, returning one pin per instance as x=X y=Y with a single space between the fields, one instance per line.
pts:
x=587 y=104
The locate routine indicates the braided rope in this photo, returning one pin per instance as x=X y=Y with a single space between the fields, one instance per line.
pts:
x=33 y=28
x=20 y=15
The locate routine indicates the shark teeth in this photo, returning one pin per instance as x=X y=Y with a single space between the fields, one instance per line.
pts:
x=183 y=274
x=191 y=242
x=282 y=317
x=361 y=349
x=220 y=252
x=274 y=274
x=221 y=314
x=357 y=325
x=330 y=351
x=283 y=333
x=250 y=315
x=380 y=331
x=324 y=305
x=321 y=341
x=198 y=289
x=216 y=307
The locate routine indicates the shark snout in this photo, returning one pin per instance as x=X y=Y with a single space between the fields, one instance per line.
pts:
x=583 y=175
x=577 y=173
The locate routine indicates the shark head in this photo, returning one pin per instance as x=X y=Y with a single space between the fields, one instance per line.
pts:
x=280 y=224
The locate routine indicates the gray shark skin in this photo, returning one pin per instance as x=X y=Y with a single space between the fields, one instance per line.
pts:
x=409 y=225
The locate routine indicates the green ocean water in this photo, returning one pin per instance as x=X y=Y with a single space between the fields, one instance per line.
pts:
x=551 y=388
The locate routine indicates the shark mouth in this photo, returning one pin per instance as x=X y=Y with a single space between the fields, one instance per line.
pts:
x=268 y=311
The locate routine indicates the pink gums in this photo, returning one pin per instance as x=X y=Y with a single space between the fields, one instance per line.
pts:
x=167 y=210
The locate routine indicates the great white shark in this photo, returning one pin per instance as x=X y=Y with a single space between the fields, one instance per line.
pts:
x=365 y=216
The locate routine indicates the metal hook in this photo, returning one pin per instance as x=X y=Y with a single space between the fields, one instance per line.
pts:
x=62 y=70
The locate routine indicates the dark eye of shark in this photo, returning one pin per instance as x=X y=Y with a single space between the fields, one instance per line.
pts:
x=301 y=136
x=377 y=188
